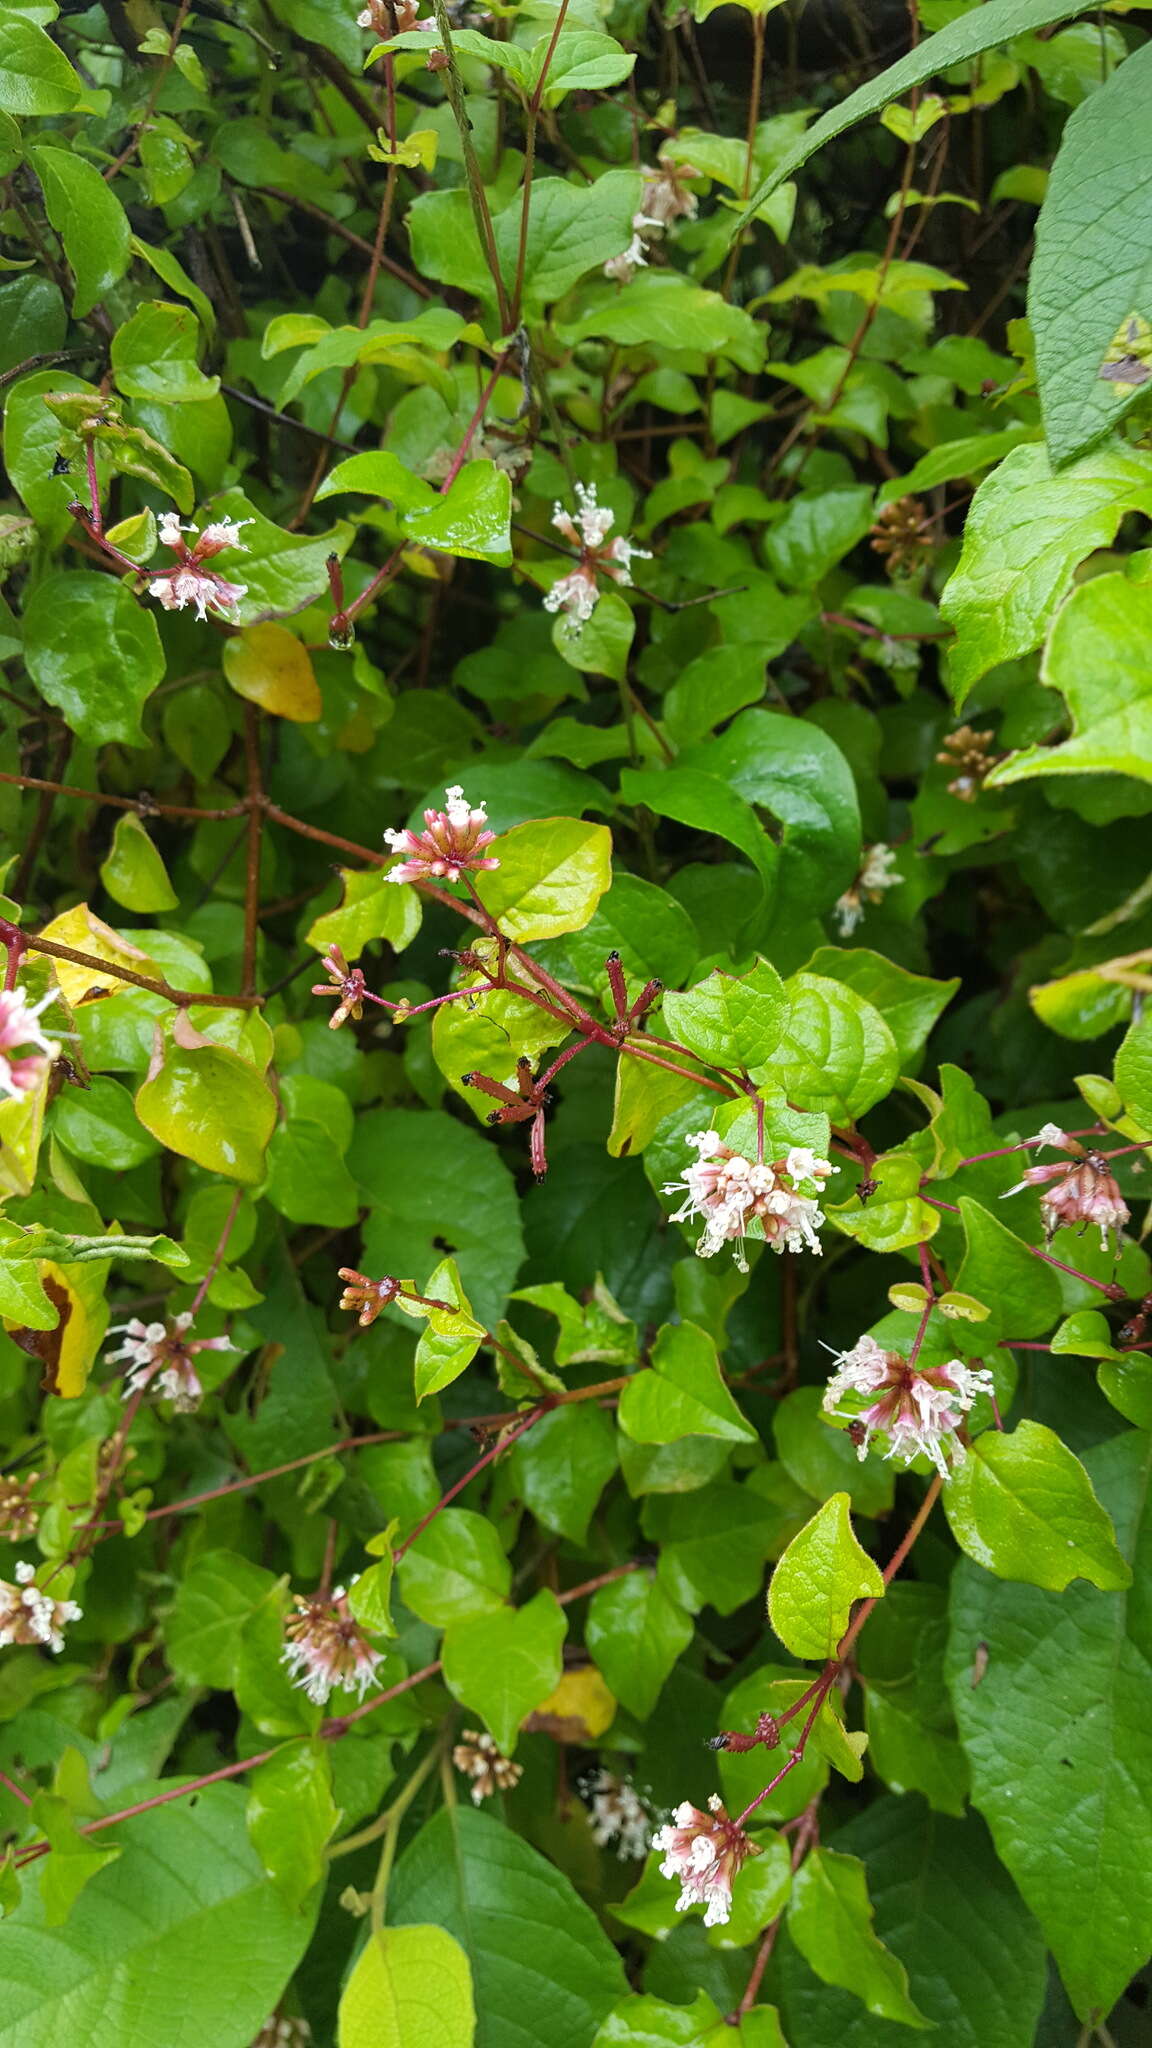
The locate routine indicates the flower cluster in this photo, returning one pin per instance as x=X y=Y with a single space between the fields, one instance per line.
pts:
x=618 y=1815
x=876 y=875
x=281 y=2031
x=161 y=1359
x=327 y=1647
x=1080 y=1190
x=481 y=1758
x=449 y=846
x=578 y=593
x=665 y=197
x=345 y=982
x=19 y=1513
x=704 y=1852
x=732 y=1193
x=29 y=1616
x=918 y=1408
x=20 y=1070
x=190 y=580
x=365 y=1295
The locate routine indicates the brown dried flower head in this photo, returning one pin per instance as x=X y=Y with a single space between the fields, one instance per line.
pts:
x=480 y=1758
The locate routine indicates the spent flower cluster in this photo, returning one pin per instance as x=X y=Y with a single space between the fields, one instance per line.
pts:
x=734 y=1194
x=162 y=1358
x=917 y=1409
x=478 y=1756
x=578 y=593
x=30 y=1616
x=327 y=1647
x=190 y=580
x=1081 y=1189
x=704 y=1852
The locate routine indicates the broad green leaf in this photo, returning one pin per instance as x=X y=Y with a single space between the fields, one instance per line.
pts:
x=821 y=1459
x=373 y=908
x=645 y=2022
x=601 y=645
x=635 y=1632
x=682 y=1393
x=99 y=1124
x=830 y=1921
x=133 y=871
x=713 y=1544
x=488 y=1033
x=450 y=1338
x=1027 y=532
x=504 y=1663
x=965 y=36
x=1000 y=1271
x=281 y=571
x=217 y=1596
x=837 y=1053
x=908 y=1003
x=1022 y=1505
x=89 y=219
x=1091 y=271
x=94 y=653
x=411 y=1988
x=821 y=1574
x=583 y=60
x=663 y=308
x=563 y=1465
x=182 y=1937
x=485 y=1886
x=35 y=75
x=1053 y=1696
x=1133 y=1072
x=75 y=1859
x=292 y=1815
x=895 y=1214
x=590 y=1332
x=731 y=1022
x=307 y=1179
x=208 y=1104
x=947 y=1908
x=454 y=1569
x=1097 y=657
x=376 y=474
x=702 y=800
x=552 y=875
x=154 y=355
x=471 y=518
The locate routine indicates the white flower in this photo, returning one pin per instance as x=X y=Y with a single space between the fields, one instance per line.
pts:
x=876 y=875
x=918 y=1408
x=30 y=1616
x=1049 y=1134
x=704 y=1851
x=576 y=594
x=326 y=1647
x=587 y=529
x=189 y=581
x=161 y=1357
x=624 y=266
x=618 y=1814
x=732 y=1192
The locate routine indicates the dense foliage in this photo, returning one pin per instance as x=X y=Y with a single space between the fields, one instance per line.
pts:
x=574 y=1109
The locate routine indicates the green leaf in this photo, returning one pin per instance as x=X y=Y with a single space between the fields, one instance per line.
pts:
x=1058 y=1731
x=89 y=219
x=454 y=1569
x=636 y=1631
x=830 y=1921
x=837 y=1053
x=1097 y=657
x=373 y=908
x=154 y=355
x=503 y=1664
x=35 y=76
x=948 y=1909
x=682 y=1393
x=584 y=60
x=693 y=797
x=822 y=1572
x=1092 y=270
x=488 y=1033
x=74 y=1861
x=219 y=1593
x=643 y=2022
x=1133 y=1072
x=1027 y=531
x=969 y=35
x=909 y=1003
x=471 y=518
x=552 y=874
x=592 y=1332
x=183 y=1935
x=292 y=1815
x=281 y=571
x=99 y=1124
x=307 y=1179
x=485 y=1886
x=730 y=1022
x=665 y=310
x=1022 y=1505
x=895 y=1214
x=821 y=1458
x=411 y=1988
x=1022 y=1290
x=713 y=1544
x=601 y=645
x=133 y=872
x=208 y=1104
x=93 y=653
x=450 y=1340
x=563 y=1465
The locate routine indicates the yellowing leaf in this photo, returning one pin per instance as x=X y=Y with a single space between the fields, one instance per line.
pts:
x=583 y=1699
x=269 y=665
x=411 y=1988
x=78 y=1292
x=82 y=929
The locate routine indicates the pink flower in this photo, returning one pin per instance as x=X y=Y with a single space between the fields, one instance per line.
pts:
x=161 y=1357
x=731 y=1193
x=918 y=1408
x=704 y=1851
x=624 y=266
x=327 y=1647
x=1079 y=1190
x=19 y=1027
x=189 y=581
x=448 y=847
x=578 y=594
x=347 y=983
x=29 y=1616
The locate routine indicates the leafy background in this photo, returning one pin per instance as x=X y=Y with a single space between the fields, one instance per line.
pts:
x=873 y=403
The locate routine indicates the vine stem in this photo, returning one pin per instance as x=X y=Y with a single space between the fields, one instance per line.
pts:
x=531 y=124
x=503 y=1443
x=217 y=1256
x=155 y=985
x=481 y=212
